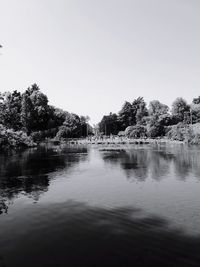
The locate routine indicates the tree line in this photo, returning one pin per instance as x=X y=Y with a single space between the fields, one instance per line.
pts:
x=137 y=120
x=28 y=116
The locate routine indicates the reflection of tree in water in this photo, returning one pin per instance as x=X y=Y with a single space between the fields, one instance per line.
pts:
x=3 y=206
x=138 y=163
x=156 y=162
x=28 y=171
x=187 y=160
x=134 y=163
x=159 y=164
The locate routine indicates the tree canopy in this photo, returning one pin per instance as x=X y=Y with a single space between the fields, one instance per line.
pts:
x=180 y=109
x=31 y=113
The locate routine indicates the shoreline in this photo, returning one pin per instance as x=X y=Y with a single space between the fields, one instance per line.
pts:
x=124 y=141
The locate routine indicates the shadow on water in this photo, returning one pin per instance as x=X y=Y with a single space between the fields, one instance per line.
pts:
x=75 y=234
x=157 y=161
x=28 y=171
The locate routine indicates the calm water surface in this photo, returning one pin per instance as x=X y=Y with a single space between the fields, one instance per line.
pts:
x=89 y=206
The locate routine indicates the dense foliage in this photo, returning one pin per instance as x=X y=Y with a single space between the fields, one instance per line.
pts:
x=11 y=138
x=27 y=117
x=135 y=120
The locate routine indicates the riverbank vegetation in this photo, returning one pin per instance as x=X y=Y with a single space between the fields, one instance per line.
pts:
x=136 y=120
x=27 y=118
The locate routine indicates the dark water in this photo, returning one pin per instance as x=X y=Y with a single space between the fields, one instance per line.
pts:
x=78 y=206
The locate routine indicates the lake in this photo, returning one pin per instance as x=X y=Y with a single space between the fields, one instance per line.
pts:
x=100 y=206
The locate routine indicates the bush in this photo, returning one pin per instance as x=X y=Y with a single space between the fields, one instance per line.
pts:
x=177 y=132
x=167 y=119
x=181 y=132
x=11 y=138
x=121 y=133
x=128 y=130
x=195 y=140
x=155 y=130
x=156 y=125
x=37 y=136
x=196 y=128
x=41 y=135
x=138 y=131
x=63 y=133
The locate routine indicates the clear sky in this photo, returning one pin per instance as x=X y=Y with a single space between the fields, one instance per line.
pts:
x=89 y=56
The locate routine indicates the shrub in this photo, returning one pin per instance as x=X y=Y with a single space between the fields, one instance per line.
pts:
x=121 y=133
x=155 y=130
x=41 y=135
x=167 y=119
x=195 y=140
x=176 y=132
x=64 y=132
x=128 y=130
x=138 y=131
x=181 y=132
x=11 y=138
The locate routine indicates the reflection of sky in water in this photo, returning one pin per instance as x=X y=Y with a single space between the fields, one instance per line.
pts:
x=160 y=181
x=77 y=206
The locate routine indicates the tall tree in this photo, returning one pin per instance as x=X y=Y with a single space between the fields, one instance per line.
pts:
x=194 y=113
x=10 y=109
x=180 y=108
x=125 y=115
x=140 y=110
x=35 y=109
x=73 y=123
x=156 y=108
x=109 y=124
x=85 y=127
